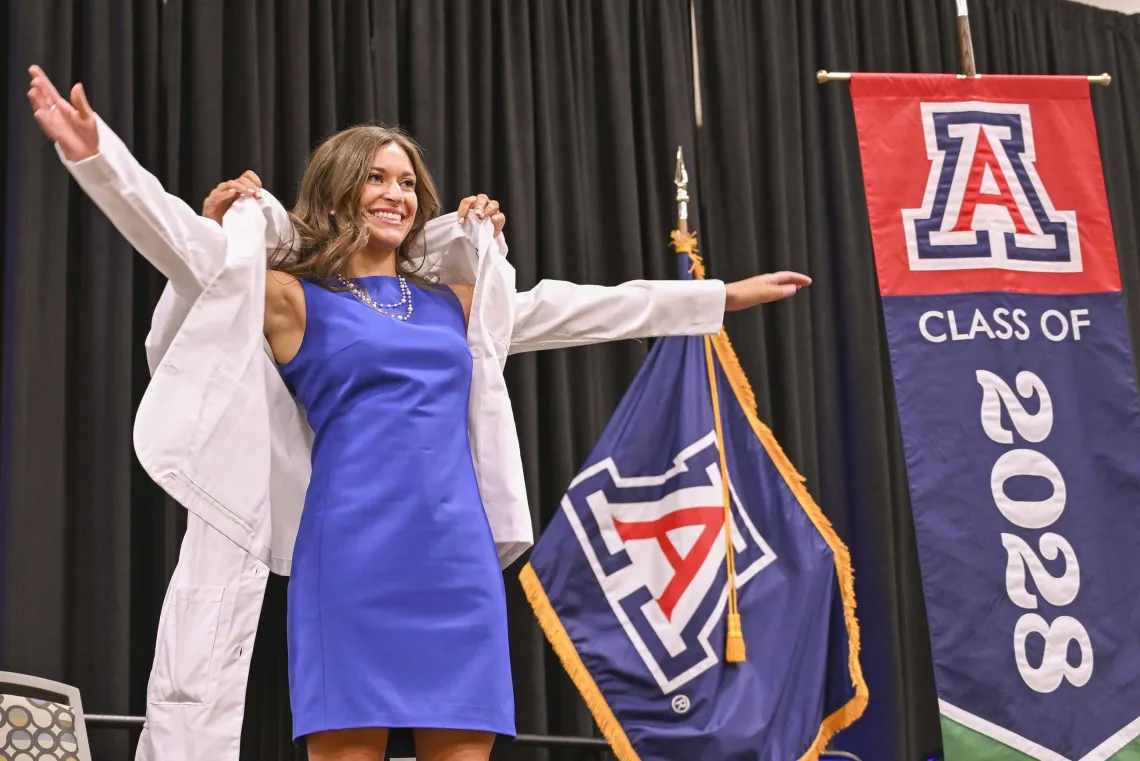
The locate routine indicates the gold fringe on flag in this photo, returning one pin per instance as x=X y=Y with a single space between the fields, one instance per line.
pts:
x=686 y=243
x=564 y=648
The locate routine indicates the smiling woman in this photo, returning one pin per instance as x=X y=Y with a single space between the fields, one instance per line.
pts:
x=365 y=194
x=365 y=199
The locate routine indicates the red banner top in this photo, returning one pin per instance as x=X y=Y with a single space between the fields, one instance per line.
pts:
x=987 y=184
x=994 y=87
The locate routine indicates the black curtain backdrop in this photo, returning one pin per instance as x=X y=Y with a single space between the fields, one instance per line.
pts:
x=567 y=111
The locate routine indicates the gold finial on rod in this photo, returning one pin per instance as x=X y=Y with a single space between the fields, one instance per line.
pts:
x=681 y=180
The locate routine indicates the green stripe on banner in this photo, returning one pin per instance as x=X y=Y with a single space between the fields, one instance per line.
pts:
x=960 y=743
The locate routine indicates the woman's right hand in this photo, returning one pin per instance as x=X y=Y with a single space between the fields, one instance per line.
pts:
x=222 y=197
x=72 y=125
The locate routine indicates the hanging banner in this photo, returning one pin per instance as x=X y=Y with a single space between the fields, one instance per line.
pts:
x=1018 y=404
x=630 y=579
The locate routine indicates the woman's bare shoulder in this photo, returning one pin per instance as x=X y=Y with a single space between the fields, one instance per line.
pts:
x=282 y=287
x=279 y=279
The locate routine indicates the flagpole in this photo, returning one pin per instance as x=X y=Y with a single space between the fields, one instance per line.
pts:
x=965 y=42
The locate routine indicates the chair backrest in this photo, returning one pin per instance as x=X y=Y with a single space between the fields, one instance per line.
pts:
x=39 y=716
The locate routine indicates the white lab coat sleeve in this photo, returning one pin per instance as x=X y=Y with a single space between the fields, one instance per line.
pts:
x=186 y=248
x=556 y=314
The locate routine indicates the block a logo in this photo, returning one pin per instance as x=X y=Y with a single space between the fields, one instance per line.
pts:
x=985 y=206
x=657 y=547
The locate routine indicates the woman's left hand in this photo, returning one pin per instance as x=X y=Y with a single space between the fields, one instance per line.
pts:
x=482 y=207
x=763 y=289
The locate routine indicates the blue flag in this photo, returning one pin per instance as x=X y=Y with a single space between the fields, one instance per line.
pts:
x=631 y=579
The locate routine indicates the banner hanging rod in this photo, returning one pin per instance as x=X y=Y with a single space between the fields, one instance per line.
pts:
x=844 y=76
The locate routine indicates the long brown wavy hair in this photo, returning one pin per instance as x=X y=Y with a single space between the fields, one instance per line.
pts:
x=323 y=244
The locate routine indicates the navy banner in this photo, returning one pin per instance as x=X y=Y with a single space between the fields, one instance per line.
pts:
x=638 y=591
x=1018 y=405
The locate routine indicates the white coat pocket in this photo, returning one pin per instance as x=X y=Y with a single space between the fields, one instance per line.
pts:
x=184 y=654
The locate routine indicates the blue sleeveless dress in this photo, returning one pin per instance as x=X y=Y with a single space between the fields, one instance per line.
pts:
x=397 y=610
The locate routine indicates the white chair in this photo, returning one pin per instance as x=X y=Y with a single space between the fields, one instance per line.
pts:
x=41 y=718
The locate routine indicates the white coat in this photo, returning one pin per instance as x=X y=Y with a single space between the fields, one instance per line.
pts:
x=219 y=431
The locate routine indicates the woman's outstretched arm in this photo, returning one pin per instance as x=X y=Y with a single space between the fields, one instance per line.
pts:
x=556 y=314
x=185 y=247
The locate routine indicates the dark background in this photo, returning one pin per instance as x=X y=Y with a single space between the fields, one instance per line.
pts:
x=567 y=111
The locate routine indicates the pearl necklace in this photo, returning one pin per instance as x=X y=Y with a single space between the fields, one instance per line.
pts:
x=363 y=295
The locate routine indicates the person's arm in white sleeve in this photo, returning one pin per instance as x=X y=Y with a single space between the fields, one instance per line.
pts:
x=185 y=247
x=556 y=314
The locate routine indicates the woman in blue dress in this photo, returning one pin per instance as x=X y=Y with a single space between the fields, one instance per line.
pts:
x=397 y=615
x=397 y=623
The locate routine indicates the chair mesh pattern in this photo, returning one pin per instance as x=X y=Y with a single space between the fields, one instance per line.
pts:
x=36 y=730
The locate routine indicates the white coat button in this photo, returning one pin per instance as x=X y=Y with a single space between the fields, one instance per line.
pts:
x=476 y=353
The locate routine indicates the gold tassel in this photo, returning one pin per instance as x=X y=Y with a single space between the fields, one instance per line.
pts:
x=734 y=651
